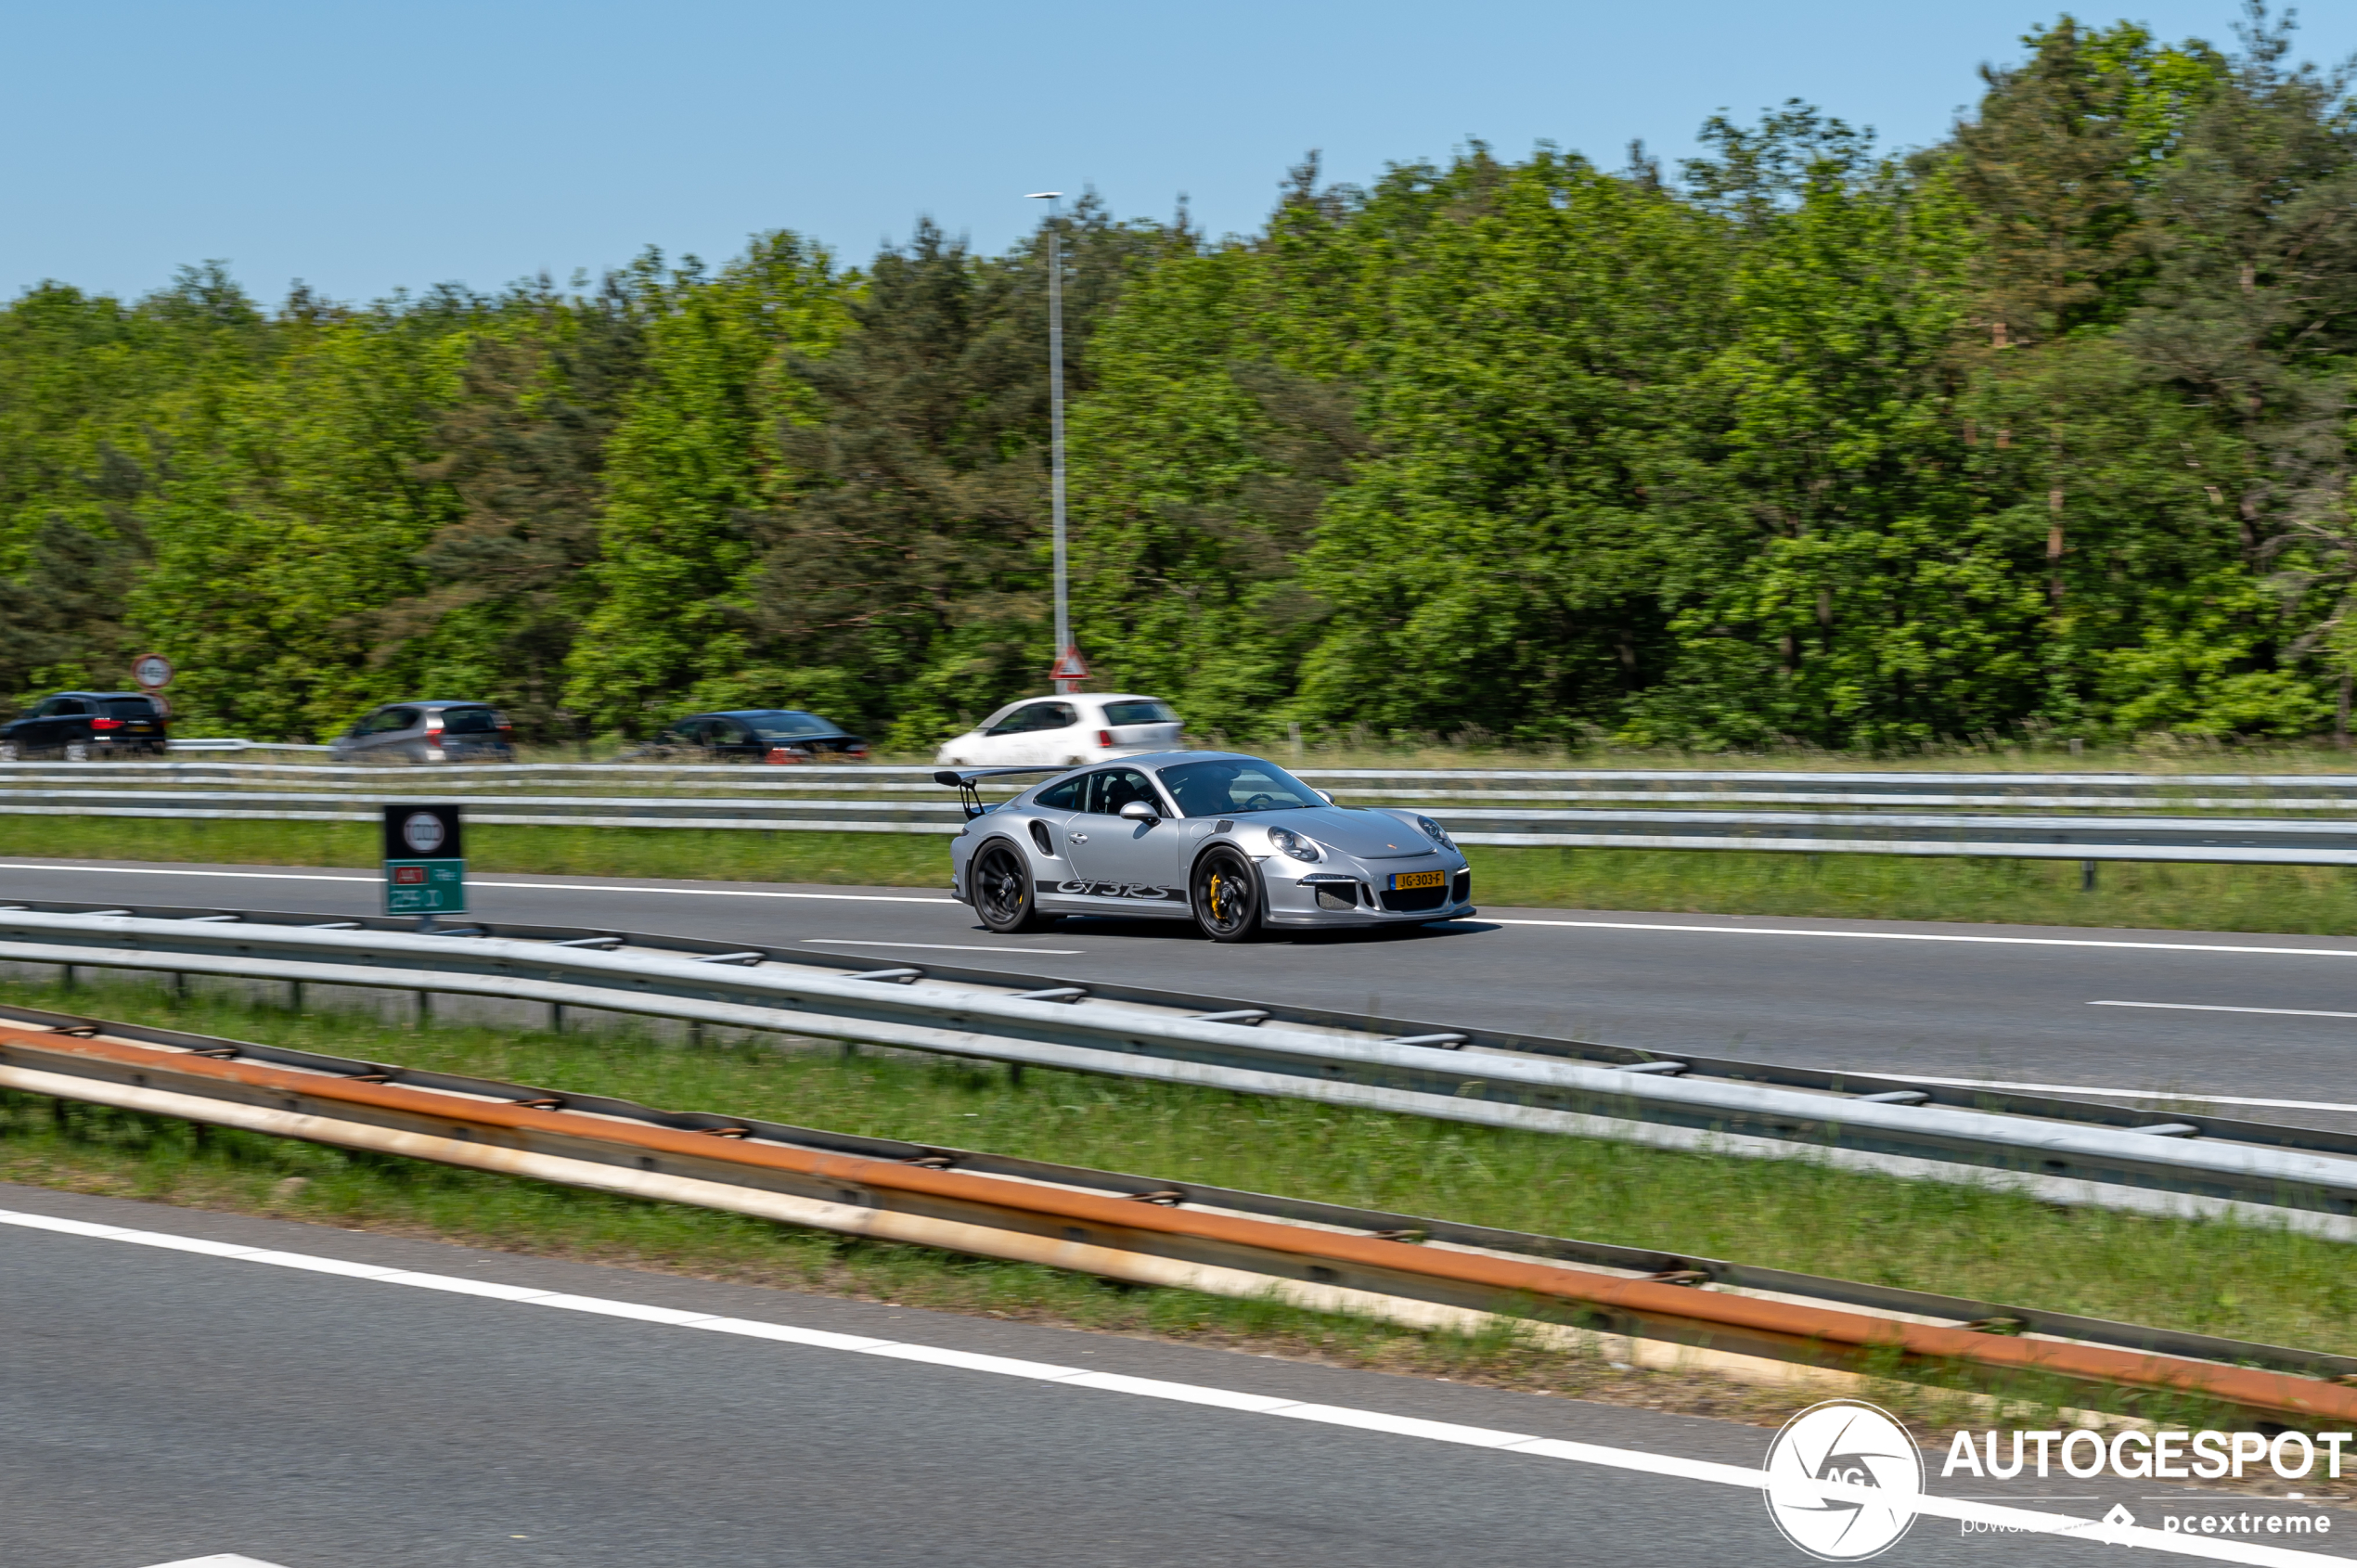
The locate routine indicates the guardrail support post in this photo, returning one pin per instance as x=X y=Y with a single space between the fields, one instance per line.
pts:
x=2086 y=875
x=556 y=1017
x=425 y=1009
x=179 y=985
x=294 y=996
x=69 y=970
x=695 y=1031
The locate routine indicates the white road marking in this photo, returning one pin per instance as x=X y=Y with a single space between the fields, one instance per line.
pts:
x=1944 y=936
x=2206 y=1006
x=156 y=872
x=222 y=1560
x=542 y=887
x=1639 y=1461
x=947 y=947
x=2122 y=1094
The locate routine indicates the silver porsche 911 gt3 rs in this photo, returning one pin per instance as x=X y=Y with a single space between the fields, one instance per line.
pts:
x=1233 y=842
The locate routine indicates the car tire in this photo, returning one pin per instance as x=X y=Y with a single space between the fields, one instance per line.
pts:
x=1002 y=893
x=1224 y=893
x=77 y=750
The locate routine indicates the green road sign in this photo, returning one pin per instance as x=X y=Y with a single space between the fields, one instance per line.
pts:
x=425 y=861
x=425 y=887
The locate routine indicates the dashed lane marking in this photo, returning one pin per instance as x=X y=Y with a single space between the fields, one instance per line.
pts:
x=1941 y=936
x=2207 y=1007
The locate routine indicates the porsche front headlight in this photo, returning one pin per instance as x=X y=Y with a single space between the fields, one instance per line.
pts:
x=1436 y=832
x=1293 y=844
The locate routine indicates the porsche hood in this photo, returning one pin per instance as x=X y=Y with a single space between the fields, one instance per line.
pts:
x=1361 y=833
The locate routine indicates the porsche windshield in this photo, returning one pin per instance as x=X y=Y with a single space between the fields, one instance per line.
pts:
x=1235 y=785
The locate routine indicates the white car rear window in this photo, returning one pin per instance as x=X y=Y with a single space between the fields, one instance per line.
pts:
x=1145 y=712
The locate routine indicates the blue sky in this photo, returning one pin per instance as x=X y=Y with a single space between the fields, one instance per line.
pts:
x=362 y=146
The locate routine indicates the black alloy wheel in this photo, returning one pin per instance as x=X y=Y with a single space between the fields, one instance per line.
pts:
x=1224 y=893
x=1002 y=892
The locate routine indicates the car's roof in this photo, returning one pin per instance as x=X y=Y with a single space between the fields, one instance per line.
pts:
x=437 y=702
x=756 y=713
x=78 y=693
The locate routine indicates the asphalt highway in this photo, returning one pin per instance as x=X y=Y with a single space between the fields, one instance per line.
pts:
x=2221 y=1016
x=161 y=1406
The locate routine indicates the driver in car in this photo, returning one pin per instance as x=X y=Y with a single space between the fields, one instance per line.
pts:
x=1203 y=790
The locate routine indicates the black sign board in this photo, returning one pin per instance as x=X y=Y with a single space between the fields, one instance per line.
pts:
x=425 y=862
x=423 y=832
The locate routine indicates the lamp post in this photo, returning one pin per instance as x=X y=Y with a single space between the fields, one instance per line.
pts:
x=1067 y=655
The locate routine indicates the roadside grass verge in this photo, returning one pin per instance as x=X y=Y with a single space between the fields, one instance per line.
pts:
x=2306 y=900
x=686 y=854
x=2162 y=896
x=2241 y=1281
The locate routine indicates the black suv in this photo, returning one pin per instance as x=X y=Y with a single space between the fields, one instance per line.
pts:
x=774 y=735
x=85 y=726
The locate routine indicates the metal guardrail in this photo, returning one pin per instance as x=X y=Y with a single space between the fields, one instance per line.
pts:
x=223 y=744
x=2123 y=819
x=1157 y=1231
x=2093 y=1153
x=2244 y=841
x=510 y=811
x=2285 y=791
x=1898 y=788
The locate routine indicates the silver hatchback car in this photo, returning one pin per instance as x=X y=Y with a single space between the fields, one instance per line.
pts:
x=1231 y=842
x=427 y=732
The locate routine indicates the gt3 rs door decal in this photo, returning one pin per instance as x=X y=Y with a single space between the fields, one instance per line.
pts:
x=1073 y=889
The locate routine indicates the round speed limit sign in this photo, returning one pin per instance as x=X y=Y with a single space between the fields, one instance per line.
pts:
x=151 y=670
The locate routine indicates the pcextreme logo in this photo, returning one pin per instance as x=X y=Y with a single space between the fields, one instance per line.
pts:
x=1849 y=1443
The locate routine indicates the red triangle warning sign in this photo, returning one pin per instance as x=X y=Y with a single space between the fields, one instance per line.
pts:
x=1069 y=666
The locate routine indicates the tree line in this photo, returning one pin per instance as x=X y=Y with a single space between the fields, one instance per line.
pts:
x=2044 y=429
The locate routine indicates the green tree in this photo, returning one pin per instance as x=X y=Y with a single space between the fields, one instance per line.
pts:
x=693 y=453
x=509 y=584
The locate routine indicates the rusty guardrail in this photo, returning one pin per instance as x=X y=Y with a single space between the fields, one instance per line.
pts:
x=1118 y=1226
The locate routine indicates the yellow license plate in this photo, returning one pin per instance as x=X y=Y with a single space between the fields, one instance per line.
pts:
x=1400 y=879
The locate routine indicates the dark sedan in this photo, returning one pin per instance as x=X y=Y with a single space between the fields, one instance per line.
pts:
x=86 y=726
x=752 y=735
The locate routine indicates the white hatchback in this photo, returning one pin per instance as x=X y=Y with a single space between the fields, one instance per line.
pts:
x=1064 y=732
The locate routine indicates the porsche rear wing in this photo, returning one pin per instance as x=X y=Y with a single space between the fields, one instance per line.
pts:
x=964 y=780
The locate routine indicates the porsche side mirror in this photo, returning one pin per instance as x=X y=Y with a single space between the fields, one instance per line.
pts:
x=1138 y=810
x=1326 y=795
